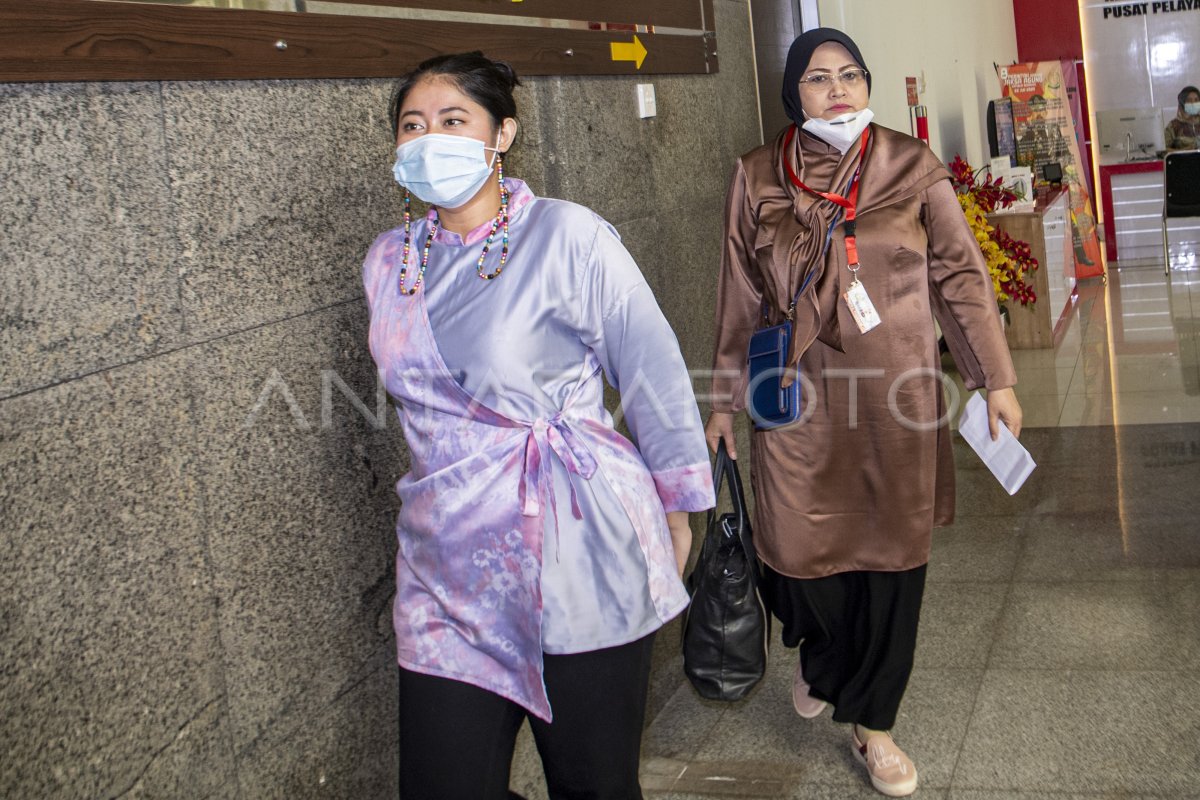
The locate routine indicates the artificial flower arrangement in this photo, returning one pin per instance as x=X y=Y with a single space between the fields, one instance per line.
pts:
x=1009 y=261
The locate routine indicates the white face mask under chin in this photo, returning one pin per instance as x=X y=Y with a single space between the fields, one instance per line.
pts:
x=841 y=131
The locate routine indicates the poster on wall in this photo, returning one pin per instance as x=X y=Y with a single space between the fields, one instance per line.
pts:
x=1045 y=131
x=1075 y=99
x=1006 y=136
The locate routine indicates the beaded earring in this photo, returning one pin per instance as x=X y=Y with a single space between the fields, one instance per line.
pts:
x=500 y=220
x=408 y=248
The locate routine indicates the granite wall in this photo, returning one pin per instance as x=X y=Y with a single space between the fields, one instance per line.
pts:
x=196 y=473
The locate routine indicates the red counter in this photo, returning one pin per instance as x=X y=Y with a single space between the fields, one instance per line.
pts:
x=1107 y=171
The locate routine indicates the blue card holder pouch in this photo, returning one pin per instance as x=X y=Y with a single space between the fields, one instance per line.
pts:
x=771 y=405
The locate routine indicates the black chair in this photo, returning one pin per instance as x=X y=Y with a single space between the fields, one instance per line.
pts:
x=1181 y=191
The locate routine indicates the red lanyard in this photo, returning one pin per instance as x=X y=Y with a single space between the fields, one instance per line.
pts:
x=849 y=203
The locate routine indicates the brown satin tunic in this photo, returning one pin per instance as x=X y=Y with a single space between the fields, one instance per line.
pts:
x=862 y=482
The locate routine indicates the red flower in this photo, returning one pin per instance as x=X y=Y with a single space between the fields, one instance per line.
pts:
x=988 y=196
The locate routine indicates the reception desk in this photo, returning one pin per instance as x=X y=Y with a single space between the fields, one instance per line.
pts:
x=1132 y=194
x=1047 y=229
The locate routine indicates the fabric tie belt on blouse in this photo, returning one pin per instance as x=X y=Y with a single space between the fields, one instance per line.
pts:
x=546 y=436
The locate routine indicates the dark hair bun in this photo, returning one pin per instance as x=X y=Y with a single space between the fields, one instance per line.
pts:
x=509 y=74
x=489 y=83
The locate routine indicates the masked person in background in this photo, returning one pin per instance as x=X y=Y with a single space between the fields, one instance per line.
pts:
x=1183 y=132
x=539 y=550
x=846 y=498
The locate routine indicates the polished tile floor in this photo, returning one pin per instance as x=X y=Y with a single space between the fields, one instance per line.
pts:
x=1059 y=653
x=1127 y=353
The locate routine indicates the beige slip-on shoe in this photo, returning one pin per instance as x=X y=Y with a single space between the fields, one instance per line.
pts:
x=805 y=705
x=891 y=771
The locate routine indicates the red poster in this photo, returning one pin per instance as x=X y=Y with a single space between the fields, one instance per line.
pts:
x=1046 y=134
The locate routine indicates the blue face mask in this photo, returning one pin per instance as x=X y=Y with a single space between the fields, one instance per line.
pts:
x=1192 y=109
x=442 y=169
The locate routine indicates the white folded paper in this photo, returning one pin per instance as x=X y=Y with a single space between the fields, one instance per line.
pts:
x=1007 y=458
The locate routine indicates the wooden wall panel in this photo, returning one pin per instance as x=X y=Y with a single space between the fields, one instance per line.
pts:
x=671 y=13
x=82 y=40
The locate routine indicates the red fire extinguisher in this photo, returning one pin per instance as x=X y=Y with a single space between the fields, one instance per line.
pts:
x=921 y=117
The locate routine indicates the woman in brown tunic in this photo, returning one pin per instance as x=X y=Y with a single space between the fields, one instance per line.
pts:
x=846 y=499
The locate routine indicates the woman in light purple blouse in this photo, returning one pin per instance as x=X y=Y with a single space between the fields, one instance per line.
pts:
x=539 y=550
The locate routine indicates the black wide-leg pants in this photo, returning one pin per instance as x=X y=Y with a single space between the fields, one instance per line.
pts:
x=457 y=740
x=859 y=631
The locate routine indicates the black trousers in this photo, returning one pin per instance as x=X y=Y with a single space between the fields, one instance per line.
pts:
x=457 y=740
x=859 y=631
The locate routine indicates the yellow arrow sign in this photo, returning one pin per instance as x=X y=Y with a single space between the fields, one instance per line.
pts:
x=629 y=51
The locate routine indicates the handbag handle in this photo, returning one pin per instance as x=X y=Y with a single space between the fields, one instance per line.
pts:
x=726 y=468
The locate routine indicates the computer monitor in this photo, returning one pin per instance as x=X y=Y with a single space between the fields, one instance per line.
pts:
x=1129 y=134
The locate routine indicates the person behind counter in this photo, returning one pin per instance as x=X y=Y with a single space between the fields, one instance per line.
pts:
x=539 y=550
x=1183 y=132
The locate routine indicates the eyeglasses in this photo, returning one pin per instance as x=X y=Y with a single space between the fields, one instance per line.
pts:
x=851 y=79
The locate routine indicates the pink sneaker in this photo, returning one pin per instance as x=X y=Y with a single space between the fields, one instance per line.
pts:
x=805 y=705
x=891 y=771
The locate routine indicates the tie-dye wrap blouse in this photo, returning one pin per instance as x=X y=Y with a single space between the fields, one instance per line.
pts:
x=528 y=523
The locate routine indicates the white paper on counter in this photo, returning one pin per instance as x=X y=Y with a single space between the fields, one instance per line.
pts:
x=1007 y=458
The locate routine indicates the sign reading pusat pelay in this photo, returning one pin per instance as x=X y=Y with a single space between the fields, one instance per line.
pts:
x=1146 y=9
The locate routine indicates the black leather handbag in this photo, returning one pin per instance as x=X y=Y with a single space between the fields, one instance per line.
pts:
x=726 y=628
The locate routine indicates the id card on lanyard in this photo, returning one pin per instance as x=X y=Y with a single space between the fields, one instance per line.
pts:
x=856 y=298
